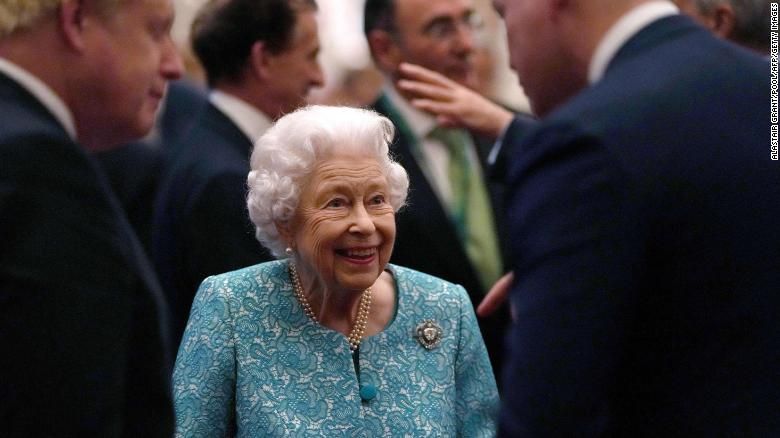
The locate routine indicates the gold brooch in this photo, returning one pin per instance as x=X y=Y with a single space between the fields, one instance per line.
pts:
x=429 y=334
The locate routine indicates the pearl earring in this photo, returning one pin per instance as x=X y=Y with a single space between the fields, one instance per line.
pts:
x=289 y=251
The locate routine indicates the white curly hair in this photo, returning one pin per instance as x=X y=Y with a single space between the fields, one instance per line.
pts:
x=285 y=155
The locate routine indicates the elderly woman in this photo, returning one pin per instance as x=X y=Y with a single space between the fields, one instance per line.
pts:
x=331 y=340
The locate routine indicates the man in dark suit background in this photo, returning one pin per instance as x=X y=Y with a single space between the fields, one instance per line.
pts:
x=183 y=102
x=83 y=324
x=433 y=234
x=746 y=22
x=260 y=59
x=643 y=215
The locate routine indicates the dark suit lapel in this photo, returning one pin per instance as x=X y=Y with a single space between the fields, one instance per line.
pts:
x=424 y=206
x=422 y=196
x=215 y=120
x=11 y=91
x=137 y=257
x=211 y=120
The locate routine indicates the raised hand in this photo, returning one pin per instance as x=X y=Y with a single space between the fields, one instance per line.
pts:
x=453 y=104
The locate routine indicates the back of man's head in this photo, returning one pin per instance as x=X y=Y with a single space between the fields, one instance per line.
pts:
x=379 y=14
x=748 y=20
x=224 y=32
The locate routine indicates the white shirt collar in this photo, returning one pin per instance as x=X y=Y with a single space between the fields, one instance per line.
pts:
x=421 y=123
x=626 y=27
x=45 y=95
x=251 y=121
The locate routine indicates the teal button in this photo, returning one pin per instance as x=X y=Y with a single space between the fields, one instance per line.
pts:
x=367 y=392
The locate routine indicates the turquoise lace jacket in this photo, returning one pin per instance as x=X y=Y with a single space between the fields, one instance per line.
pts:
x=252 y=364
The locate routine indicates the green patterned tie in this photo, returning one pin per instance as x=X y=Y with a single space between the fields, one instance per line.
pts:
x=470 y=209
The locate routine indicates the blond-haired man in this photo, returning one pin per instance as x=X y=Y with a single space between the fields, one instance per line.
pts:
x=82 y=322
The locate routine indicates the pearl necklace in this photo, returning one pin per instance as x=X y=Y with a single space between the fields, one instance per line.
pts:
x=358 y=329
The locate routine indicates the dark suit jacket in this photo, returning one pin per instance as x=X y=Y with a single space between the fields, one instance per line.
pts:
x=646 y=247
x=201 y=224
x=184 y=101
x=426 y=239
x=504 y=151
x=82 y=318
x=133 y=170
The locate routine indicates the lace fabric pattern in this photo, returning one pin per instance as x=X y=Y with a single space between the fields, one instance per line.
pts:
x=251 y=363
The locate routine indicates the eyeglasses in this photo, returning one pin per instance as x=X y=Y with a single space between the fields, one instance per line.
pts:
x=444 y=28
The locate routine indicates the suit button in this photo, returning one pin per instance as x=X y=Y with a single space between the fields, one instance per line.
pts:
x=367 y=392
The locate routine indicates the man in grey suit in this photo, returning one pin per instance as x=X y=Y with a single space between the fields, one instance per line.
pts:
x=260 y=58
x=83 y=326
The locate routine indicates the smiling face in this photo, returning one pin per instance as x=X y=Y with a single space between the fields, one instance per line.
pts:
x=344 y=227
x=438 y=35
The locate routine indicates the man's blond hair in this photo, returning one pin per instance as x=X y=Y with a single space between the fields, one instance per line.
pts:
x=22 y=14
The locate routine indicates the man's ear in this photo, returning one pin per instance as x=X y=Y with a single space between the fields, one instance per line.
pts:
x=71 y=20
x=384 y=50
x=260 y=59
x=722 y=20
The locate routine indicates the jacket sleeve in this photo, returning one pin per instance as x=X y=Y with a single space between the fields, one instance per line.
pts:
x=477 y=396
x=204 y=378
x=574 y=224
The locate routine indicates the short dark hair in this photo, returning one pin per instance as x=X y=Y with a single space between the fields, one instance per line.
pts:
x=751 y=18
x=751 y=28
x=379 y=14
x=224 y=31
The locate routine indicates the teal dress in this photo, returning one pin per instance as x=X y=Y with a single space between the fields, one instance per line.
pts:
x=252 y=364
